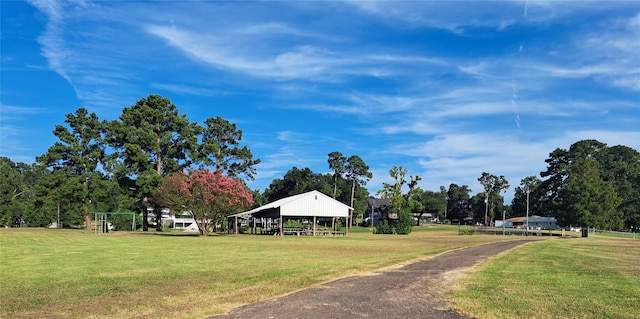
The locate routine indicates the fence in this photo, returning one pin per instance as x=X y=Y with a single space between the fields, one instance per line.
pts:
x=614 y=234
x=592 y=232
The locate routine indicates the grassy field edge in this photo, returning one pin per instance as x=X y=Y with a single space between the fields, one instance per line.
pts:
x=563 y=278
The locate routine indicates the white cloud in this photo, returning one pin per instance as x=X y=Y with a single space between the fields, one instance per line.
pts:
x=409 y=126
x=461 y=158
x=188 y=90
x=52 y=40
x=610 y=137
x=631 y=82
x=298 y=62
x=330 y=110
x=11 y=112
x=461 y=17
x=287 y=136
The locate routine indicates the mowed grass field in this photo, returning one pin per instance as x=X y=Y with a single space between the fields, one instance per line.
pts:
x=564 y=278
x=51 y=273
x=79 y=274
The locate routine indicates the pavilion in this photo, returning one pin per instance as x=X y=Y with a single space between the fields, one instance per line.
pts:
x=309 y=208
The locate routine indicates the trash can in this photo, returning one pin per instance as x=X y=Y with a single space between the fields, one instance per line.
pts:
x=585 y=232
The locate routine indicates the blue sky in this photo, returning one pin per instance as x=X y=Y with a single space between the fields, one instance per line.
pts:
x=447 y=89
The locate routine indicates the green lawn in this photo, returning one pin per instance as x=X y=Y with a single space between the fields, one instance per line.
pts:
x=563 y=278
x=78 y=274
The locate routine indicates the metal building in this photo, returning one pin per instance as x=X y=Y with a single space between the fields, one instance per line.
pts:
x=310 y=207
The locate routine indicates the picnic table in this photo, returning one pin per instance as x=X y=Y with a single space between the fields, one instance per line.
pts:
x=301 y=232
x=296 y=231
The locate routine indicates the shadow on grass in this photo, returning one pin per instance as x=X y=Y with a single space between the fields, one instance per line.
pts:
x=174 y=234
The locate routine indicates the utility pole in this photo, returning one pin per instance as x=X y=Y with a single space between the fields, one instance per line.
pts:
x=446 y=207
x=526 y=232
x=486 y=208
x=503 y=221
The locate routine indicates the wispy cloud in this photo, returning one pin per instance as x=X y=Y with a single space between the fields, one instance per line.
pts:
x=631 y=82
x=308 y=62
x=288 y=136
x=330 y=110
x=95 y=63
x=452 y=16
x=52 y=40
x=10 y=112
x=461 y=158
x=188 y=90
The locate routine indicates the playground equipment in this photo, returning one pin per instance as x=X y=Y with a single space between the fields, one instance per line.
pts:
x=102 y=221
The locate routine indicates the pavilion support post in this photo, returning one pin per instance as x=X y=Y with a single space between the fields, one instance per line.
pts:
x=280 y=221
x=333 y=226
x=346 y=229
x=235 y=225
x=314 y=225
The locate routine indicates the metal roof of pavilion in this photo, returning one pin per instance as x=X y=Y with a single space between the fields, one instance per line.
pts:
x=310 y=204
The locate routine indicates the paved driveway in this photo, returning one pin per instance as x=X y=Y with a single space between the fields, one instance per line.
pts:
x=416 y=290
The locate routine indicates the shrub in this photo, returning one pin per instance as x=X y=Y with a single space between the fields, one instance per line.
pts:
x=384 y=228
x=123 y=222
x=468 y=231
x=404 y=224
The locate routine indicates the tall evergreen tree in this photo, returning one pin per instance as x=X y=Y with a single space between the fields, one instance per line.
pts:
x=337 y=163
x=14 y=192
x=220 y=148
x=78 y=154
x=152 y=139
x=621 y=166
x=587 y=200
x=458 y=202
x=358 y=173
x=559 y=164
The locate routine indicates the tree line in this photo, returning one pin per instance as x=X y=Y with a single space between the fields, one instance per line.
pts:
x=154 y=157
x=118 y=165
x=588 y=185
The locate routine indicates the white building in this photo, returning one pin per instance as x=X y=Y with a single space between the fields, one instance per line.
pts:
x=310 y=207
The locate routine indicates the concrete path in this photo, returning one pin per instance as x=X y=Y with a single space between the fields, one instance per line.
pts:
x=416 y=290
